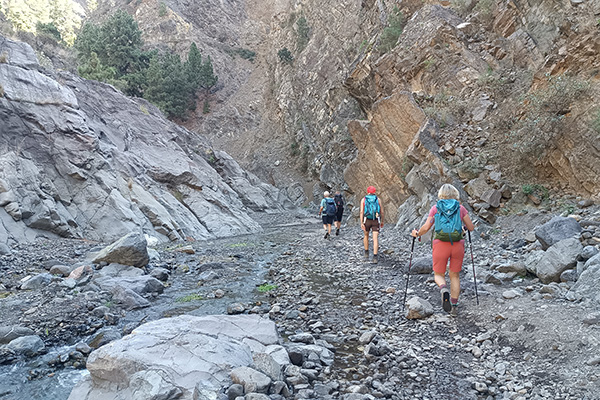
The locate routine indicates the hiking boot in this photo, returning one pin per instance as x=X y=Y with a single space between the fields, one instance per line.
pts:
x=366 y=255
x=454 y=310
x=326 y=235
x=375 y=259
x=446 y=299
x=337 y=232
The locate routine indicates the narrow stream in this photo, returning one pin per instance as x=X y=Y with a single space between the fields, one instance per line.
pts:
x=34 y=379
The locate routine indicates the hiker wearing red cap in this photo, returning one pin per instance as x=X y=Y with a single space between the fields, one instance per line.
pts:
x=371 y=219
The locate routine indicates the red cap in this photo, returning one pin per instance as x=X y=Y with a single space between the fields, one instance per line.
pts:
x=371 y=189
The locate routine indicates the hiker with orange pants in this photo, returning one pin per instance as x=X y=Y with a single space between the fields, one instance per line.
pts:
x=448 y=218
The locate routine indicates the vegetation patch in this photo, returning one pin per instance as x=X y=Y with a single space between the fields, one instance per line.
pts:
x=246 y=54
x=112 y=52
x=302 y=32
x=539 y=191
x=285 y=56
x=595 y=125
x=266 y=287
x=485 y=10
x=543 y=113
x=162 y=10
x=390 y=35
x=49 y=30
x=189 y=297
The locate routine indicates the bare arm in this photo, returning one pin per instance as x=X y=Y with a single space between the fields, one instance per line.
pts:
x=467 y=222
x=424 y=229
x=380 y=215
x=362 y=214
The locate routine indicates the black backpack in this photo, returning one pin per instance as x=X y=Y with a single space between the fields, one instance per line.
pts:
x=330 y=208
x=339 y=200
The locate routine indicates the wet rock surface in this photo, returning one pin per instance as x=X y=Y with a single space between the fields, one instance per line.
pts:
x=342 y=323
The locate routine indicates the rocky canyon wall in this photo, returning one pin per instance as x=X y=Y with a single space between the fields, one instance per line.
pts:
x=80 y=159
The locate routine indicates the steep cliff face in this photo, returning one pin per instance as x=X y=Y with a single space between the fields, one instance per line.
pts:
x=79 y=159
x=480 y=76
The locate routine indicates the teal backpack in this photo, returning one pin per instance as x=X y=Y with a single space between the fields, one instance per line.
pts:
x=371 y=207
x=448 y=226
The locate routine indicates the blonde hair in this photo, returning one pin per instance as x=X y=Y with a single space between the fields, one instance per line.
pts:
x=447 y=191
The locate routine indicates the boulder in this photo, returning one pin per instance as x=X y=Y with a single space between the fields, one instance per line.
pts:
x=9 y=333
x=169 y=357
x=587 y=286
x=558 y=258
x=418 y=308
x=557 y=229
x=421 y=265
x=29 y=346
x=129 y=250
x=37 y=282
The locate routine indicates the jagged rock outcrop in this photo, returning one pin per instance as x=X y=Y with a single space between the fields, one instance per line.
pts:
x=79 y=159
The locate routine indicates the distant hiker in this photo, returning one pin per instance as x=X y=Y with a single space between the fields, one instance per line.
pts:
x=339 y=213
x=328 y=211
x=448 y=218
x=371 y=219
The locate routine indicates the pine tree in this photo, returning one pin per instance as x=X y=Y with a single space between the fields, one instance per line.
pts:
x=121 y=38
x=193 y=67
x=209 y=79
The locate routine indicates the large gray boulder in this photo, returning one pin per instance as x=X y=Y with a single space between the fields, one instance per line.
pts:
x=131 y=249
x=66 y=169
x=558 y=258
x=588 y=286
x=557 y=229
x=167 y=358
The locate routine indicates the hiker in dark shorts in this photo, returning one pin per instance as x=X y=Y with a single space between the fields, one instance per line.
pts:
x=371 y=219
x=339 y=213
x=328 y=213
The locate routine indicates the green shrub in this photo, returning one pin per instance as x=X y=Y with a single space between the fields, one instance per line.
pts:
x=266 y=287
x=246 y=54
x=295 y=149
x=390 y=35
x=162 y=10
x=537 y=190
x=285 y=56
x=48 y=29
x=303 y=31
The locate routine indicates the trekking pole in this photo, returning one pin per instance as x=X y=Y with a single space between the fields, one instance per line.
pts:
x=408 y=274
x=473 y=262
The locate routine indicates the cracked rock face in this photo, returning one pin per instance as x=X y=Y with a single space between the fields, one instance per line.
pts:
x=79 y=159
